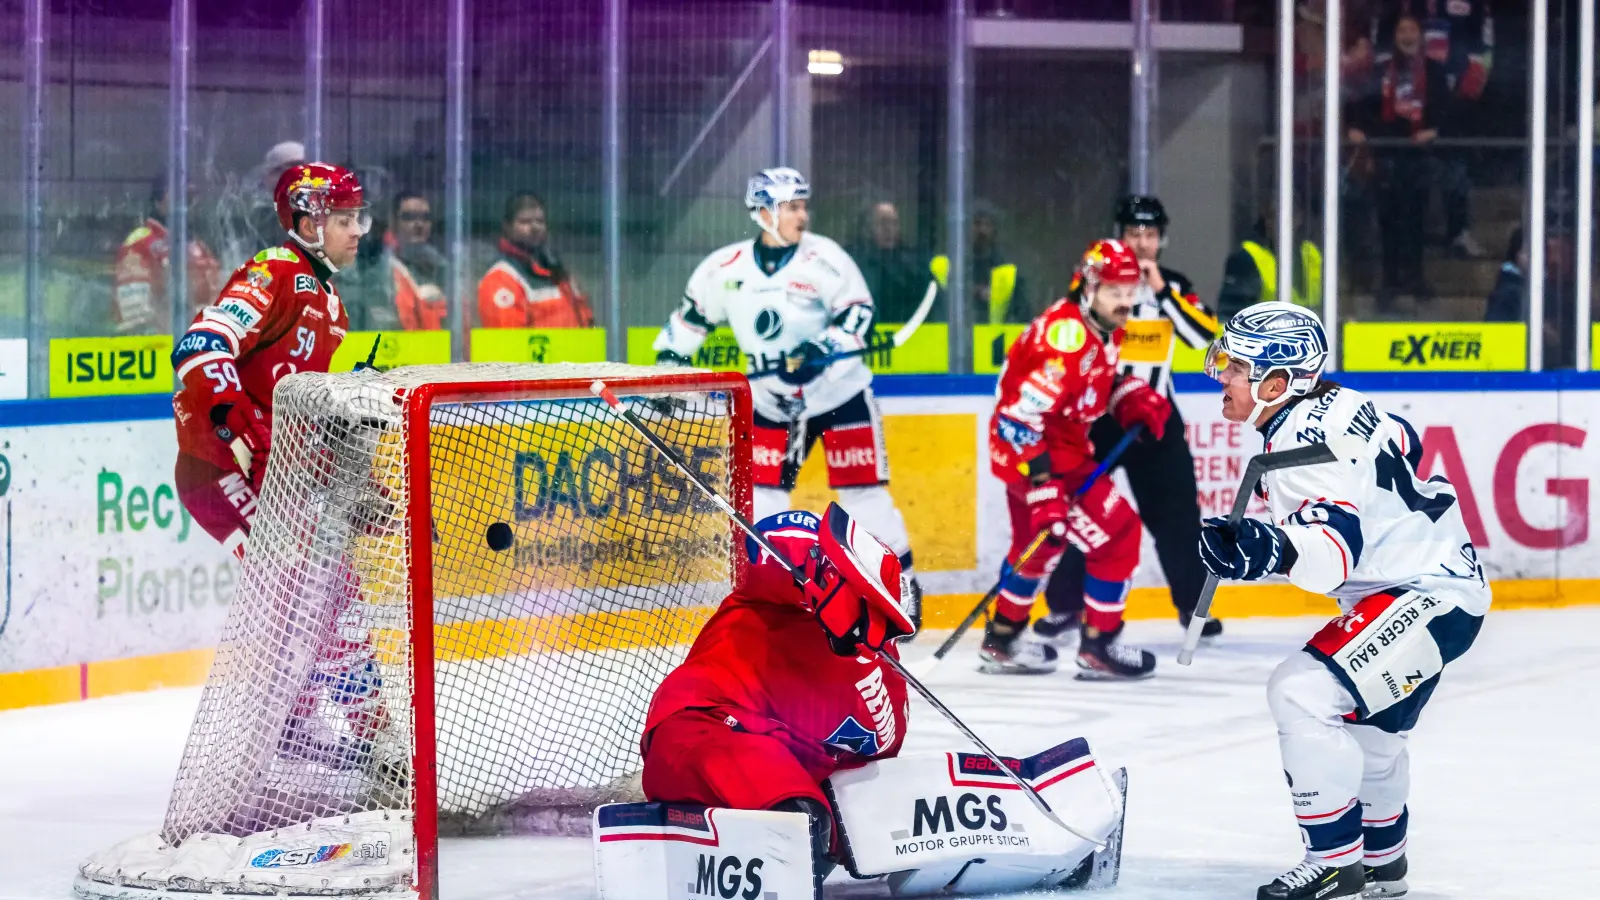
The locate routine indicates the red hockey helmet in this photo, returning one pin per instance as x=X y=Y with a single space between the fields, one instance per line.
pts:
x=317 y=189
x=1109 y=261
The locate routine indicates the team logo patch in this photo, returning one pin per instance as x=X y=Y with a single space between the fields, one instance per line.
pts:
x=333 y=305
x=1068 y=335
x=769 y=324
x=305 y=284
x=504 y=298
x=851 y=736
x=258 y=276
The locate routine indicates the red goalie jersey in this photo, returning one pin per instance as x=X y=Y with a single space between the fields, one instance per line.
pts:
x=763 y=709
x=1057 y=380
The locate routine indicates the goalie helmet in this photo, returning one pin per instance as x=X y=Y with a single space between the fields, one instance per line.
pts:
x=318 y=190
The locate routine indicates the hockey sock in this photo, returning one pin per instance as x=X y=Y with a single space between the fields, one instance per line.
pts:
x=1385 y=838
x=1015 y=600
x=1103 y=603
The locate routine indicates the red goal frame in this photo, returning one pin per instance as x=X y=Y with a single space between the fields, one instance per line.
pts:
x=419 y=517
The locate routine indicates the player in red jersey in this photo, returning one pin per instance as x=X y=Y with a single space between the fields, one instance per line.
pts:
x=1061 y=375
x=277 y=314
x=768 y=704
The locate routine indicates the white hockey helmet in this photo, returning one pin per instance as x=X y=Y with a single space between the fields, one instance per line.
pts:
x=770 y=187
x=1272 y=337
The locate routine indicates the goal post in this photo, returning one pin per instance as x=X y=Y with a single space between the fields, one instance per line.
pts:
x=462 y=586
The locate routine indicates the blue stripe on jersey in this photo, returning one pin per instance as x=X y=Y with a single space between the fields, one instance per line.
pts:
x=199 y=340
x=1340 y=519
x=1413 y=443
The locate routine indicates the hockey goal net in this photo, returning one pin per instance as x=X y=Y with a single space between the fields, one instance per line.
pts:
x=462 y=586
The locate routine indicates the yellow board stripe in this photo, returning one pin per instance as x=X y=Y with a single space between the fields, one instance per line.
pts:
x=615 y=631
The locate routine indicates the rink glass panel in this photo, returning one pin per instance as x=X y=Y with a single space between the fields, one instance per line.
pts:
x=544 y=653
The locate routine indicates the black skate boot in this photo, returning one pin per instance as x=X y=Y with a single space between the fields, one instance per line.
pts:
x=1209 y=631
x=1008 y=650
x=1103 y=657
x=1059 y=630
x=1387 y=880
x=1311 y=880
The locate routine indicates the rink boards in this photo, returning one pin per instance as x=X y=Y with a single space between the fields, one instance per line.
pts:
x=110 y=587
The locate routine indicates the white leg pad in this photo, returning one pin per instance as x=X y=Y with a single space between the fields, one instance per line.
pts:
x=949 y=822
x=668 y=851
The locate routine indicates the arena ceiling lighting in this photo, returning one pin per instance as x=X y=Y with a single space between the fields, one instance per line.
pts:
x=825 y=62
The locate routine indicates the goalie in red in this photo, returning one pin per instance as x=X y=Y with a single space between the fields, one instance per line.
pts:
x=783 y=687
x=1061 y=375
x=277 y=314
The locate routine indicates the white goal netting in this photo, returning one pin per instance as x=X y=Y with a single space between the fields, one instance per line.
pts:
x=567 y=566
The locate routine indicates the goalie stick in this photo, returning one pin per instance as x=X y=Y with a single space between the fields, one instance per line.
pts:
x=599 y=389
x=897 y=340
x=1340 y=448
x=926 y=666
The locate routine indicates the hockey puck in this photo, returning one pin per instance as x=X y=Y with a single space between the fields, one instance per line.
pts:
x=498 y=537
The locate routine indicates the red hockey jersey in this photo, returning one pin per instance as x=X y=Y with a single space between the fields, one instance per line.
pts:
x=766 y=663
x=277 y=315
x=1056 y=381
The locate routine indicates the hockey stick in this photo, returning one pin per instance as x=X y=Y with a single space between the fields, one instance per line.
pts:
x=600 y=390
x=926 y=666
x=897 y=340
x=1344 y=447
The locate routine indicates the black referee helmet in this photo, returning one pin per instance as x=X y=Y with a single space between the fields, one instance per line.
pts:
x=1139 y=209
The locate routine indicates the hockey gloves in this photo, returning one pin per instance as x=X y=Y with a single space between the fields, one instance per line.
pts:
x=1247 y=551
x=1133 y=402
x=244 y=428
x=853 y=587
x=1047 y=507
x=804 y=364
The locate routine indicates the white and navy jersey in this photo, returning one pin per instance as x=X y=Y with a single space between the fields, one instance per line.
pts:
x=1364 y=527
x=1148 y=338
x=818 y=295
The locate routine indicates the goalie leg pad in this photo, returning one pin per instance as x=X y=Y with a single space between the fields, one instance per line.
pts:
x=666 y=851
x=951 y=823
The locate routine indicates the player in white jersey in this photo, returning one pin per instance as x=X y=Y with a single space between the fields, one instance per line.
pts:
x=1392 y=549
x=794 y=300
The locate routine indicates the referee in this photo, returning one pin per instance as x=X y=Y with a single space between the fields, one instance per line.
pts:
x=1161 y=473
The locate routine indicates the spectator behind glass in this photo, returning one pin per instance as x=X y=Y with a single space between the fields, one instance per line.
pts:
x=1458 y=35
x=528 y=286
x=418 y=268
x=1509 y=297
x=1410 y=104
x=997 y=295
x=893 y=271
x=141 y=303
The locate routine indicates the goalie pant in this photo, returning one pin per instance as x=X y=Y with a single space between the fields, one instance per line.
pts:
x=762 y=711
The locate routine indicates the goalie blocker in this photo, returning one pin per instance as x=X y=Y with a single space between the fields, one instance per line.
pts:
x=928 y=824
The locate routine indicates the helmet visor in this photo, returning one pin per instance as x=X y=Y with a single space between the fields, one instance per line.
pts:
x=357 y=218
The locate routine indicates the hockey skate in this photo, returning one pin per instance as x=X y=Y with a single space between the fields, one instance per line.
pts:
x=1104 y=657
x=1387 y=880
x=1059 y=630
x=1009 y=650
x=1312 y=880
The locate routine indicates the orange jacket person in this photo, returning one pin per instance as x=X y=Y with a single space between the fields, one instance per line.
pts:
x=528 y=287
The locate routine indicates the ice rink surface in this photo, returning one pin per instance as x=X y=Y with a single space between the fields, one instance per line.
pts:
x=1505 y=801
